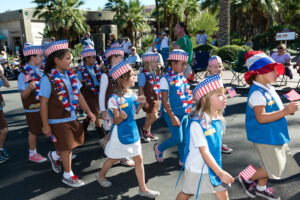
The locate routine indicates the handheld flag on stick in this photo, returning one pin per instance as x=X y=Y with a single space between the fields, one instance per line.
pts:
x=292 y=95
x=248 y=172
x=231 y=92
x=53 y=138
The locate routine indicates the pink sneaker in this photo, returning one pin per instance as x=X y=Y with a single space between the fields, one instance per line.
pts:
x=37 y=158
x=157 y=153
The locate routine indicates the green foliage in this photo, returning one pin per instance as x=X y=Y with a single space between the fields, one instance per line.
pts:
x=76 y=51
x=146 y=43
x=203 y=21
x=208 y=48
x=230 y=52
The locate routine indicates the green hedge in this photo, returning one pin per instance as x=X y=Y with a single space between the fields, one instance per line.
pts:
x=230 y=52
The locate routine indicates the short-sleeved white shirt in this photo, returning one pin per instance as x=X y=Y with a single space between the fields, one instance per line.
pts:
x=163 y=84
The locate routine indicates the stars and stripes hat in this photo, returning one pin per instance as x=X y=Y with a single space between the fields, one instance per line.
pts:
x=88 y=50
x=214 y=60
x=55 y=46
x=119 y=69
x=150 y=56
x=178 y=54
x=116 y=44
x=207 y=85
x=30 y=49
x=113 y=51
x=258 y=62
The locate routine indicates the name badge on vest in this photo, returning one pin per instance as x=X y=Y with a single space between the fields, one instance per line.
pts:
x=34 y=106
x=124 y=105
x=210 y=132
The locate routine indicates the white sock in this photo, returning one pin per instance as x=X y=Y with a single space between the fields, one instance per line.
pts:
x=54 y=155
x=68 y=174
x=249 y=181
x=32 y=152
x=261 y=188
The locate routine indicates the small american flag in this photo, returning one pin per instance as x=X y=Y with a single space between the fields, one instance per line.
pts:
x=231 y=92
x=292 y=95
x=53 y=138
x=248 y=172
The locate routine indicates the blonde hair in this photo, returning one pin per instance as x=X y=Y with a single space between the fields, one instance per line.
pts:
x=203 y=105
x=147 y=65
x=208 y=73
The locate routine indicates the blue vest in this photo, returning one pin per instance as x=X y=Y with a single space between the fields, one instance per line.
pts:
x=273 y=133
x=174 y=99
x=127 y=130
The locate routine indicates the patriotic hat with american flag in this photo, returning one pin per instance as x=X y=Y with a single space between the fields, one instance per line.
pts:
x=119 y=69
x=55 y=46
x=259 y=63
x=178 y=54
x=30 y=49
x=113 y=51
x=214 y=60
x=88 y=51
x=207 y=85
x=150 y=56
x=116 y=44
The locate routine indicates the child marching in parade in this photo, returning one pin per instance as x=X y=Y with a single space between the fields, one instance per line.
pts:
x=215 y=66
x=148 y=82
x=203 y=162
x=4 y=156
x=89 y=75
x=60 y=95
x=266 y=126
x=29 y=86
x=124 y=139
x=114 y=55
x=177 y=103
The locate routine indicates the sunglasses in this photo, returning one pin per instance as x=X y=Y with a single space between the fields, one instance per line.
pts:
x=279 y=47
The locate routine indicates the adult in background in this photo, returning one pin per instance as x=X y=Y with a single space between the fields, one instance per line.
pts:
x=184 y=42
x=126 y=46
x=203 y=38
x=165 y=46
x=157 y=42
x=87 y=40
x=113 y=38
x=134 y=59
x=249 y=43
x=198 y=38
x=283 y=57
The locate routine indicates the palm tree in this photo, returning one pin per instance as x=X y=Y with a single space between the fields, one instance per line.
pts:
x=63 y=16
x=224 y=23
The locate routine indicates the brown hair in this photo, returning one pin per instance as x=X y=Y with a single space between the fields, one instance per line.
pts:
x=50 y=63
x=119 y=87
x=251 y=79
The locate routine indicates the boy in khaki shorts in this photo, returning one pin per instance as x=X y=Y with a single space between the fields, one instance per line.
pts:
x=266 y=125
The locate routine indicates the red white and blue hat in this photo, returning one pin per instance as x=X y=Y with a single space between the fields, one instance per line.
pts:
x=150 y=56
x=88 y=51
x=30 y=49
x=214 y=60
x=55 y=46
x=178 y=54
x=113 y=51
x=259 y=63
x=116 y=44
x=119 y=69
x=207 y=85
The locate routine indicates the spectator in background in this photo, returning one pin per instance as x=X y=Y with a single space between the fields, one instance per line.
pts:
x=198 y=38
x=157 y=42
x=87 y=40
x=17 y=49
x=249 y=43
x=203 y=38
x=214 y=42
x=134 y=59
x=52 y=39
x=159 y=62
x=283 y=57
x=108 y=44
x=165 y=47
x=113 y=38
x=126 y=46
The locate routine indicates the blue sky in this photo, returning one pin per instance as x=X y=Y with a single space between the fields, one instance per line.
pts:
x=19 y=4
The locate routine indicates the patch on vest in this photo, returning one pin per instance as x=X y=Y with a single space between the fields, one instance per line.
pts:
x=271 y=102
x=34 y=106
x=268 y=96
x=210 y=132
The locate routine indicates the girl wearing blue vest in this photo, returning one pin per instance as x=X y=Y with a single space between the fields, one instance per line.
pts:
x=203 y=162
x=124 y=138
x=266 y=126
x=29 y=87
x=4 y=156
x=215 y=66
x=89 y=75
x=177 y=103
x=60 y=96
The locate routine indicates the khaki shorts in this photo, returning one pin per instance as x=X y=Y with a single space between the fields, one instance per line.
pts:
x=191 y=181
x=277 y=160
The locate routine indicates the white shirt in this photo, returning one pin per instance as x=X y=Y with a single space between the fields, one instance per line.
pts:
x=163 y=84
x=164 y=42
x=258 y=99
x=126 y=46
x=102 y=91
x=195 y=161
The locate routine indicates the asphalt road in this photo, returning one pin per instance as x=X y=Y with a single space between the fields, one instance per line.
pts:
x=21 y=179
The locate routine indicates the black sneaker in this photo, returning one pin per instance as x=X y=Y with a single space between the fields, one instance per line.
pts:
x=267 y=193
x=2 y=159
x=4 y=154
x=248 y=187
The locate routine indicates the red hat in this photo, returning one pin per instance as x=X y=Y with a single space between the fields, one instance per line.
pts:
x=258 y=62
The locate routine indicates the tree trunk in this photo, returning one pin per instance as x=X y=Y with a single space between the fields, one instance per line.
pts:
x=165 y=14
x=224 y=23
x=157 y=17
